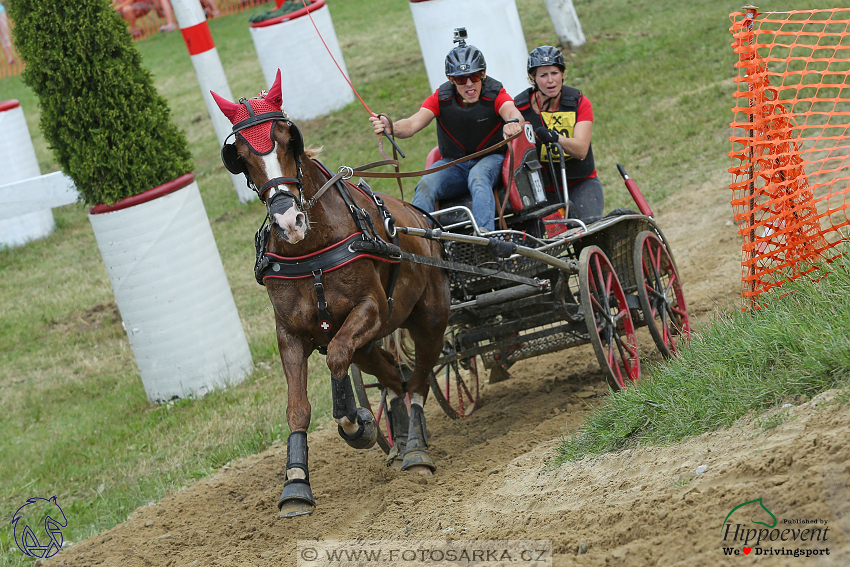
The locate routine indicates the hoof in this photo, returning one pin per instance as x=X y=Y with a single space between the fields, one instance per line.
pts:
x=366 y=436
x=293 y=508
x=296 y=500
x=418 y=459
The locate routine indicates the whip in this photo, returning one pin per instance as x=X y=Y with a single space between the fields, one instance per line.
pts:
x=390 y=138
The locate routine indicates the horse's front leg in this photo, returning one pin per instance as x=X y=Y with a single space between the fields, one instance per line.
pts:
x=356 y=425
x=297 y=497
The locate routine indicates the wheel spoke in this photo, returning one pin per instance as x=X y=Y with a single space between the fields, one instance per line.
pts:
x=654 y=294
x=613 y=332
x=677 y=311
x=448 y=388
x=462 y=382
x=621 y=364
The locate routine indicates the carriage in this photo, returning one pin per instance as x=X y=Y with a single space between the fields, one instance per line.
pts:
x=381 y=290
x=536 y=293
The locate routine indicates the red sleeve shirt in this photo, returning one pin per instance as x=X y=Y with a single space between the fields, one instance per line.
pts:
x=584 y=112
x=432 y=103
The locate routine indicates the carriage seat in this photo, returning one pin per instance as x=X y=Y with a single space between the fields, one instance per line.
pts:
x=526 y=192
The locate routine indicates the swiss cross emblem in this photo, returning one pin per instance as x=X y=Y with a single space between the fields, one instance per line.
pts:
x=325 y=325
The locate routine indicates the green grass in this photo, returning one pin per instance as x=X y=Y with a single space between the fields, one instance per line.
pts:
x=743 y=364
x=75 y=420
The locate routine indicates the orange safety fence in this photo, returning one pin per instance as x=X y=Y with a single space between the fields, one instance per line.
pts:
x=144 y=18
x=791 y=145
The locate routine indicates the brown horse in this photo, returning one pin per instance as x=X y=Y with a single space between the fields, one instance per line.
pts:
x=337 y=287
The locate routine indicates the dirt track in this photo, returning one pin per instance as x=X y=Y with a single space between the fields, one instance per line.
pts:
x=641 y=507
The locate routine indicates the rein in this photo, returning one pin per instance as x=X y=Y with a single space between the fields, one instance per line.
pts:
x=346 y=172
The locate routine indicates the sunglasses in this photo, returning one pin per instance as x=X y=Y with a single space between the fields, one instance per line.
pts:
x=462 y=79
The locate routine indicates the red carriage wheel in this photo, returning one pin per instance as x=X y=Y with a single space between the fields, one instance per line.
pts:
x=372 y=396
x=609 y=323
x=660 y=293
x=455 y=384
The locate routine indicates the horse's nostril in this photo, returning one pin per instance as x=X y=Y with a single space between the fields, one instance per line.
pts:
x=299 y=220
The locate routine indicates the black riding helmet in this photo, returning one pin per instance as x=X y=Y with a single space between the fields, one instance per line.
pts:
x=543 y=56
x=463 y=60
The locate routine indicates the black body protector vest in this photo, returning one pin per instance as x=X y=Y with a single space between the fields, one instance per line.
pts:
x=461 y=130
x=563 y=121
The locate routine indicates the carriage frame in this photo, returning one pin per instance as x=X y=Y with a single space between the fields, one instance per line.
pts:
x=531 y=295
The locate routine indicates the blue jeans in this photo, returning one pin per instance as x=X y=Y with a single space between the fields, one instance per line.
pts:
x=476 y=176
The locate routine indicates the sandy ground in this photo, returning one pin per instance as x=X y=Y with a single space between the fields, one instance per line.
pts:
x=640 y=507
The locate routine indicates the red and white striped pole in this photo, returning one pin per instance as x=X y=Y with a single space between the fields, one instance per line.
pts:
x=193 y=25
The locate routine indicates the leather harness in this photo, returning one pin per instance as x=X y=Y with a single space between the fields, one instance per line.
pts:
x=365 y=243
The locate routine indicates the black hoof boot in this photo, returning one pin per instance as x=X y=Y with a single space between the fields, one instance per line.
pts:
x=297 y=498
x=416 y=454
x=366 y=436
x=399 y=424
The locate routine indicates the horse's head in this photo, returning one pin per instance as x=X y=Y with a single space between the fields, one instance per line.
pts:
x=268 y=149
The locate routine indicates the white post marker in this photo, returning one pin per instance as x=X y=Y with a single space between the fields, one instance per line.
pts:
x=493 y=26
x=312 y=71
x=196 y=33
x=172 y=291
x=565 y=21
x=26 y=197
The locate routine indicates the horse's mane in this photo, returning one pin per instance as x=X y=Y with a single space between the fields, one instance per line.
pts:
x=313 y=151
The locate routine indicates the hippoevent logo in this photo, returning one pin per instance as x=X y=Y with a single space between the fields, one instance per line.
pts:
x=38 y=527
x=786 y=539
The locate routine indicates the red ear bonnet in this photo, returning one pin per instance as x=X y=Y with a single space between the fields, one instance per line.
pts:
x=259 y=137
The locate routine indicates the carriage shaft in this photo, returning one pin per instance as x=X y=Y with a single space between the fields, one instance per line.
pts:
x=569 y=266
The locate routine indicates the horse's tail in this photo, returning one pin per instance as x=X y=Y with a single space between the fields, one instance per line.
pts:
x=400 y=345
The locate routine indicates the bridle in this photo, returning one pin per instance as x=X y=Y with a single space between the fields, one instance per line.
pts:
x=275 y=187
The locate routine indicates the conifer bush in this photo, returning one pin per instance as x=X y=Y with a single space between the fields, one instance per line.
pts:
x=109 y=128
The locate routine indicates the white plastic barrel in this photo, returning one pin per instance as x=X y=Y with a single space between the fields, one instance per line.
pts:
x=18 y=162
x=172 y=292
x=493 y=27
x=311 y=84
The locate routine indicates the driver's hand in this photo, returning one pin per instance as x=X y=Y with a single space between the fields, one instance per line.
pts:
x=511 y=129
x=546 y=135
x=379 y=125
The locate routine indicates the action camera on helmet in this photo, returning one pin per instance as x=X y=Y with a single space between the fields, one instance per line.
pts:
x=460 y=37
x=464 y=59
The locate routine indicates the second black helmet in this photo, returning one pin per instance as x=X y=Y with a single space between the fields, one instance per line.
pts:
x=543 y=56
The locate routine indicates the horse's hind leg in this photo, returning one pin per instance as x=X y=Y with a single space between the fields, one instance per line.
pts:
x=416 y=457
x=380 y=363
x=426 y=326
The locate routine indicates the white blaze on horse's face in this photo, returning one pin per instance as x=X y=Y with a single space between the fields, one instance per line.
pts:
x=292 y=222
